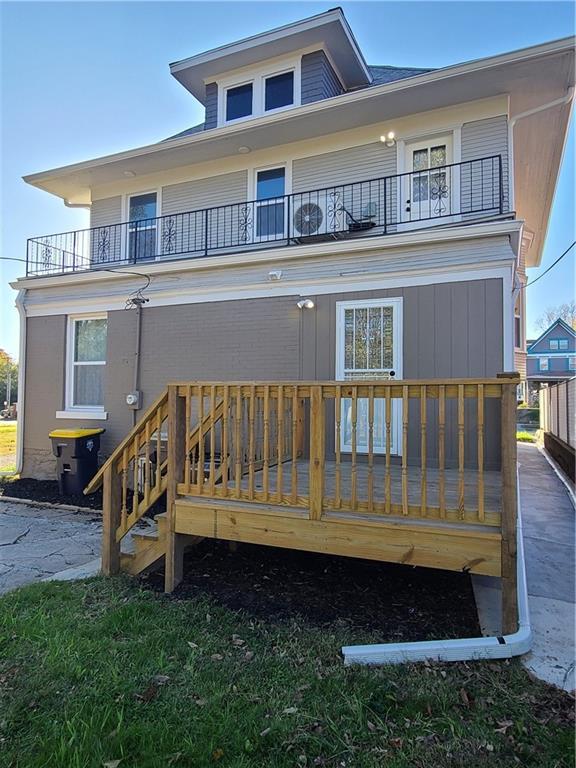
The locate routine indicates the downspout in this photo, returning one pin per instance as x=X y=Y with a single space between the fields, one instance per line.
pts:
x=556 y=103
x=21 y=307
x=464 y=649
x=136 y=371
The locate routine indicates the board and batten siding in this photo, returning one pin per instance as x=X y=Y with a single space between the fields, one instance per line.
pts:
x=319 y=81
x=106 y=211
x=485 y=138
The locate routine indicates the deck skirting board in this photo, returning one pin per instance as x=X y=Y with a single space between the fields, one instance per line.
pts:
x=477 y=552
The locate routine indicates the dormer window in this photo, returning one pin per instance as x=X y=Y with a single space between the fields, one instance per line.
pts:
x=279 y=91
x=239 y=101
x=255 y=93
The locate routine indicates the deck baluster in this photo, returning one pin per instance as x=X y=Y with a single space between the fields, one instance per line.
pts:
x=480 y=419
x=280 y=443
x=371 y=450
x=294 y=473
x=388 y=469
x=441 y=449
x=338 y=449
x=251 y=441
x=461 y=509
x=405 y=405
x=423 y=437
x=224 y=459
x=354 y=469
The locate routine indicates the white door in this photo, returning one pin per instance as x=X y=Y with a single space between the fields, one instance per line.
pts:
x=369 y=346
x=427 y=189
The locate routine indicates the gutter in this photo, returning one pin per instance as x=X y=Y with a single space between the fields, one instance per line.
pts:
x=462 y=649
x=21 y=380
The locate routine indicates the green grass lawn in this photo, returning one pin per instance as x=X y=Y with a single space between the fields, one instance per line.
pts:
x=101 y=673
x=7 y=447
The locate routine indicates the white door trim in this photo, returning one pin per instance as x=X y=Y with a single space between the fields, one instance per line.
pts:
x=396 y=303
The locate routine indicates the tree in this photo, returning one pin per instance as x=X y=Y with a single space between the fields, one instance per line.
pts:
x=566 y=312
x=8 y=375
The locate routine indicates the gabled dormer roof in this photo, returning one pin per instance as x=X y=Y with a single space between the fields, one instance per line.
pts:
x=329 y=30
x=556 y=324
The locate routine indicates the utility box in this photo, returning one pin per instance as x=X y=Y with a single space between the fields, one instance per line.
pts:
x=76 y=451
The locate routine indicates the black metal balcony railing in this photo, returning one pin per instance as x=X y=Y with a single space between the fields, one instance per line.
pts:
x=386 y=205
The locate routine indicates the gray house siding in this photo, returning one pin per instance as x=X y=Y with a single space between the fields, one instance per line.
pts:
x=449 y=330
x=106 y=211
x=211 y=118
x=484 y=138
x=225 y=189
x=319 y=81
x=345 y=166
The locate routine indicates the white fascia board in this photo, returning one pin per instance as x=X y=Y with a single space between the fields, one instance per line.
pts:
x=342 y=283
x=386 y=242
x=534 y=52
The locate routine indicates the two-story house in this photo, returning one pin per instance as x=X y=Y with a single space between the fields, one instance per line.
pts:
x=552 y=356
x=330 y=220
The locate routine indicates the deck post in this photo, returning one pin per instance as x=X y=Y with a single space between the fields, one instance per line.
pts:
x=111 y=520
x=509 y=506
x=317 y=440
x=177 y=428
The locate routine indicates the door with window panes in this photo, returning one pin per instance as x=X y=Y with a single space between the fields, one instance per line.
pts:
x=369 y=337
x=427 y=187
x=270 y=205
x=142 y=224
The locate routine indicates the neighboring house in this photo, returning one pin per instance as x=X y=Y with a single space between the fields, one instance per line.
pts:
x=404 y=193
x=552 y=357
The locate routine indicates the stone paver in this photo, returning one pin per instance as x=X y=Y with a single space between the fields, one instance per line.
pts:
x=37 y=542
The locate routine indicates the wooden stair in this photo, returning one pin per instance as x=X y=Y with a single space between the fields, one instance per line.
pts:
x=149 y=548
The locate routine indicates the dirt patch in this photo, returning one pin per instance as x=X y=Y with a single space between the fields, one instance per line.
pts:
x=396 y=602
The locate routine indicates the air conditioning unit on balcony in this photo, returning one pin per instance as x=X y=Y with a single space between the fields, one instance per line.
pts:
x=320 y=214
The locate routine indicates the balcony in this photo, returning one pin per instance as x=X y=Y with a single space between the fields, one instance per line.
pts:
x=456 y=193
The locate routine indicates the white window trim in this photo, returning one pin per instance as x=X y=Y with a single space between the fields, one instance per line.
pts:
x=258 y=79
x=255 y=170
x=129 y=195
x=547 y=366
x=71 y=410
x=554 y=341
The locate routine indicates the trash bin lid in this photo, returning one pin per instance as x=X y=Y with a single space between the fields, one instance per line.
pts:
x=75 y=432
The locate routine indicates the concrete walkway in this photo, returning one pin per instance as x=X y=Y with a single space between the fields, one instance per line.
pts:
x=548 y=520
x=37 y=542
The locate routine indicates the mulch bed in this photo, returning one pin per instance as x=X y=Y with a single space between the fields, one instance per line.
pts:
x=398 y=602
x=47 y=490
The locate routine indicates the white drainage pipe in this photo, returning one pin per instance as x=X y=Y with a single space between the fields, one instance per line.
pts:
x=464 y=649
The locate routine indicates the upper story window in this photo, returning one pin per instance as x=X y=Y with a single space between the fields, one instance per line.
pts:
x=239 y=101
x=572 y=363
x=553 y=344
x=563 y=344
x=279 y=91
x=254 y=93
x=543 y=363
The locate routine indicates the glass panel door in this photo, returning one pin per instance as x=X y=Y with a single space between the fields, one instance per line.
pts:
x=142 y=227
x=270 y=204
x=427 y=190
x=369 y=348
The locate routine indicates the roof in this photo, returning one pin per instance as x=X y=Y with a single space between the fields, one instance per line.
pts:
x=329 y=29
x=558 y=322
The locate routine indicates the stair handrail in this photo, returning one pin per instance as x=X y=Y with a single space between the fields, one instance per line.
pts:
x=98 y=478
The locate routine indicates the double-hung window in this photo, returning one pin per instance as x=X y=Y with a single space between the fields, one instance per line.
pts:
x=86 y=363
x=563 y=344
x=553 y=344
x=543 y=363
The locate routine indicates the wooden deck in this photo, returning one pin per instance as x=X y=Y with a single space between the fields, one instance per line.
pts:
x=311 y=465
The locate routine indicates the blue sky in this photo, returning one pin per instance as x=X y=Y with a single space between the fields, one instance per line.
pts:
x=85 y=79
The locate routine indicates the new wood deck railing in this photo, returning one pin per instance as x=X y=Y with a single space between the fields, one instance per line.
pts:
x=437 y=451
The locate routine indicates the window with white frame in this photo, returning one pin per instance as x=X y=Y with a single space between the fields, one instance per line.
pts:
x=572 y=363
x=259 y=93
x=86 y=362
x=554 y=344
x=563 y=344
x=543 y=363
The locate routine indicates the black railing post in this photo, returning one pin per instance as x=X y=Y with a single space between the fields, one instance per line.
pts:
x=385 y=206
x=501 y=184
x=135 y=231
x=288 y=207
x=206 y=232
x=27 y=257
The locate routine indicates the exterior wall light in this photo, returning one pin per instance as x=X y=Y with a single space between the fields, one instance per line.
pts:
x=243 y=150
x=305 y=304
x=389 y=139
